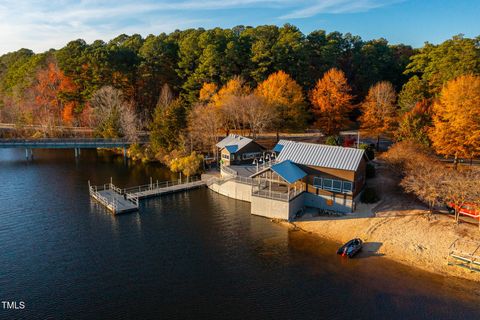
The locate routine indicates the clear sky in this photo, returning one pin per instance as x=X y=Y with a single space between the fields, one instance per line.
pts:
x=43 y=24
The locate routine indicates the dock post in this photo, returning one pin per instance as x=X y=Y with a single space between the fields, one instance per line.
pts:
x=76 y=152
x=28 y=153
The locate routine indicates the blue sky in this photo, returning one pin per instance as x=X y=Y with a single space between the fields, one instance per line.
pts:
x=43 y=24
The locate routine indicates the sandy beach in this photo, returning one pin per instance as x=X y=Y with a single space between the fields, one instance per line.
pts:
x=400 y=228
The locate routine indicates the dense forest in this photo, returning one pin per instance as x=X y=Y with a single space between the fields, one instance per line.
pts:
x=169 y=82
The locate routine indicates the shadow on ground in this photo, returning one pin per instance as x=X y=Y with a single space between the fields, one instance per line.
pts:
x=370 y=249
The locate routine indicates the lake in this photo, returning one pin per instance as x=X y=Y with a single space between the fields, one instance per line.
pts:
x=190 y=255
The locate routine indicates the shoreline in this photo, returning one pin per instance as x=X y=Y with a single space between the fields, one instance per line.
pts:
x=406 y=258
x=399 y=228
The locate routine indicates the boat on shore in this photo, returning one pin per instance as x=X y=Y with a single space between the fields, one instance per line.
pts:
x=351 y=248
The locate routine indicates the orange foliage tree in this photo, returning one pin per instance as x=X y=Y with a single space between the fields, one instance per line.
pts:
x=234 y=87
x=331 y=102
x=379 y=110
x=53 y=96
x=207 y=92
x=456 y=119
x=285 y=98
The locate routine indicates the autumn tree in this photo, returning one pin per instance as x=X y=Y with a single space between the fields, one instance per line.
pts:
x=188 y=165
x=415 y=124
x=423 y=177
x=207 y=92
x=285 y=98
x=224 y=99
x=456 y=119
x=113 y=117
x=234 y=87
x=379 y=110
x=204 y=124
x=248 y=112
x=331 y=102
x=461 y=187
x=53 y=96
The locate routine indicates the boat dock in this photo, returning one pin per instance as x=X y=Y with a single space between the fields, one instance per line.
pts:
x=119 y=200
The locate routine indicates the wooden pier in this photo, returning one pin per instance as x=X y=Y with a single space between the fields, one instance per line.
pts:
x=119 y=200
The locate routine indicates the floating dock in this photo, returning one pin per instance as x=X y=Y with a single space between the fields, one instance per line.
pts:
x=119 y=200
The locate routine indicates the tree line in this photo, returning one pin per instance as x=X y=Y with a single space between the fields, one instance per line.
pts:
x=187 y=59
x=187 y=86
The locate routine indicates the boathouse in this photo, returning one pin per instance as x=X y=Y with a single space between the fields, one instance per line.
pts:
x=329 y=178
x=235 y=150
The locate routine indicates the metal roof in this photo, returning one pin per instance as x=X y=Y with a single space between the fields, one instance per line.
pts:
x=234 y=140
x=288 y=171
x=232 y=148
x=321 y=155
x=279 y=146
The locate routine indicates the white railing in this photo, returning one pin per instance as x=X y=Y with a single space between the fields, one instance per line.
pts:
x=228 y=171
x=275 y=195
x=245 y=180
x=133 y=198
x=159 y=185
x=112 y=205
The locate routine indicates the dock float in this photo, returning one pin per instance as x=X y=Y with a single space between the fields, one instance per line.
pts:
x=119 y=200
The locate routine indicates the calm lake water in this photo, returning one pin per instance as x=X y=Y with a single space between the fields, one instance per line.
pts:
x=193 y=255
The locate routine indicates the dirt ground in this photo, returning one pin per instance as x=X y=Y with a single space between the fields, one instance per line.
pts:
x=400 y=228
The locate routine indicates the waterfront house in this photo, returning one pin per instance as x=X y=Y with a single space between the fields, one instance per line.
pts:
x=327 y=177
x=235 y=150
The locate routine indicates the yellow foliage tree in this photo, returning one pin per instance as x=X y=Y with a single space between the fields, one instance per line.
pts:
x=456 y=119
x=331 y=102
x=379 y=110
x=285 y=98
x=207 y=92
x=234 y=87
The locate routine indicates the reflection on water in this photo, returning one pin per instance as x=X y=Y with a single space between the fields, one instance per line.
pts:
x=188 y=255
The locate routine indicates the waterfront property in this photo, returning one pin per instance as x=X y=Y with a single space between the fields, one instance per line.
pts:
x=236 y=149
x=303 y=175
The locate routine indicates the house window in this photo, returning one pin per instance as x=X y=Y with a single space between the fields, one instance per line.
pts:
x=347 y=186
x=251 y=155
x=337 y=185
x=327 y=184
x=226 y=156
x=317 y=182
x=333 y=185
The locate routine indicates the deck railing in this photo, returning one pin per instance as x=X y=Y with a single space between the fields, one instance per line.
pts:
x=228 y=171
x=261 y=190
x=158 y=185
x=94 y=191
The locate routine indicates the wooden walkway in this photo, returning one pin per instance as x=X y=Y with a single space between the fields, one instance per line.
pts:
x=119 y=200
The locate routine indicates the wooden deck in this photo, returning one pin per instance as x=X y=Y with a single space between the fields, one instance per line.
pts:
x=119 y=200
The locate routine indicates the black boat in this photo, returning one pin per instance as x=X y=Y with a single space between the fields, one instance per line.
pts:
x=351 y=248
